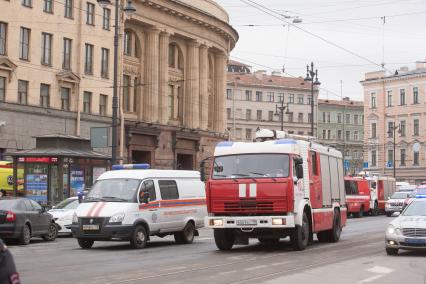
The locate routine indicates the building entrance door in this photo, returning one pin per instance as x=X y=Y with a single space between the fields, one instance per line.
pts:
x=185 y=162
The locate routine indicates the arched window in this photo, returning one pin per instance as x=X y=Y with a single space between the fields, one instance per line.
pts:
x=175 y=56
x=131 y=45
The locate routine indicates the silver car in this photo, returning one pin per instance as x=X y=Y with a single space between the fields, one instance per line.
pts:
x=396 y=202
x=408 y=231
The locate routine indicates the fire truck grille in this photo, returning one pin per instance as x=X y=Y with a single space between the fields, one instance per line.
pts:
x=414 y=232
x=249 y=206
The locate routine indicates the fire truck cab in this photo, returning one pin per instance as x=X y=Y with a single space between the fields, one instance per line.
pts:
x=357 y=196
x=279 y=187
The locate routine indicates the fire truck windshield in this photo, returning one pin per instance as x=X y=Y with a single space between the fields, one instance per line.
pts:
x=251 y=166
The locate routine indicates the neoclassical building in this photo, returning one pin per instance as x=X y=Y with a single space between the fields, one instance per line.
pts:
x=56 y=71
x=174 y=56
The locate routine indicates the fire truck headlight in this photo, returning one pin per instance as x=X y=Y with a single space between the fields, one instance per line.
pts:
x=117 y=218
x=216 y=222
x=390 y=230
x=278 y=221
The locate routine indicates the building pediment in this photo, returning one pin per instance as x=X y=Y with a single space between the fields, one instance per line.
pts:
x=403 y=144
x=7 y=65
x=68 y=76
x=373 y=116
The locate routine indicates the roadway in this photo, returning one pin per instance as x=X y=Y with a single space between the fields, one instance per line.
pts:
x=359 y=257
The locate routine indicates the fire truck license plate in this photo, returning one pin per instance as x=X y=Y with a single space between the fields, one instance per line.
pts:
x=90 y=227
x=247 y=222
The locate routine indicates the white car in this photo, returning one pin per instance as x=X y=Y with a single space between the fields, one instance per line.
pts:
x=408 y=231
x=395 y=203
x=63 y=213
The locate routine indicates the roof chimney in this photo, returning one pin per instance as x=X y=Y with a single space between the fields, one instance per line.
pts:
x=259 y=74
x=276 y=73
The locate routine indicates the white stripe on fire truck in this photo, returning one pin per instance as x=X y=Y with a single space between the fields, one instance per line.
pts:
x=242 y=190
x=253 y=190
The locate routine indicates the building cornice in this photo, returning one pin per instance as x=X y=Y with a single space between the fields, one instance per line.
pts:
x=401 y=77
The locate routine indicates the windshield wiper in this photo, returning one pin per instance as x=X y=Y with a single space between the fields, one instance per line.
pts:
x=240 y=175
x=115 y=198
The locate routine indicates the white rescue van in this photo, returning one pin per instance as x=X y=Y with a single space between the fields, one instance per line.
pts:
x=133 y=202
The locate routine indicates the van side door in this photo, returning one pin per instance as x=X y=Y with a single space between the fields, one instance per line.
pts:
x=170 y=205
x=149 y=204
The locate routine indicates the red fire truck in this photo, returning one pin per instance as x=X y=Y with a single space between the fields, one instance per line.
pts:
x=357 y=196
x=285 y=185
x=381 y=188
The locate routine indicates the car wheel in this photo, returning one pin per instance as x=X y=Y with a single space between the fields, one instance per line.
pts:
x=391 y=251
x=187 y=235
x=300 y=235
x=25 y=237
x=139 y=237
x=52 y=233
x=224 y=238
x=85 y=244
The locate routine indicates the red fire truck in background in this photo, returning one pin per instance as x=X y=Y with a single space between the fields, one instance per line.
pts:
x=357 y=196
x=285 y=185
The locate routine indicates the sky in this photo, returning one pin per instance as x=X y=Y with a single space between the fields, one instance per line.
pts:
x=344 y=38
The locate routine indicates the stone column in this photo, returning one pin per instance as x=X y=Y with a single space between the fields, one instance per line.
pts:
x=219 y=96
x=192 y=88
x=150 y=108
x=163 y=87
x=204 y=96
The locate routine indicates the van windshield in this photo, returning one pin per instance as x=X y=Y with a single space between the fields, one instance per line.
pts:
x=251 y=166
x=114 y=190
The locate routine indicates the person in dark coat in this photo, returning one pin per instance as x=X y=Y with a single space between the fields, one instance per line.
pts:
x=8 y=273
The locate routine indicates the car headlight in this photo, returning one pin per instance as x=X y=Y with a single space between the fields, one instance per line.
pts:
x=117 y=218
x=74 y=218
x=391 y=230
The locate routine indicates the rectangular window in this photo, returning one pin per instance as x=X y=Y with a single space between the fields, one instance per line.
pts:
x=69 y=7
x=402 y=97
x=339 y=118
x=248 y=114
x=402 y=128
x=259 y=115
x=356 y=135
x=329 y=134
x=291 y=99
x=280 y=97
x=300 y=117
x=300 y=99
x=389 y=98
x=355 y=154
x=348 y=135
x=168 y=189
x=373 y=130
x=415 y=158
x=270 y=115
x=229 y=94
x=416 y=125
x=128 y=49
x=258 y=96
x=309 y=100
x=270 y=97
x=3 y=35
x=390 y=156
x=248 y=134
x=90 y=13
x=309 y=117
x=106 y=19
x=290 y=116
x=135 y=93
x=88 y=66
x=48 y=6
x=65 y=98
x=238 y=133
x=348 y=118
x=328 y=117
x=26 y=3
x=44 y=95
x=87 y=102
x=373 y=158
x=228 y=113
x=323 y=116
x=22 y=92
x=105 y=63
x=373 y=100
x=126 y=93
x=390 y=129
x=103 y=99
x=66 y=57
x=248 y=95
x=355 y=119
x=24 y=43
x=415 y=95
x=324 y=134
x=2 y=89
x=339 y=134
x=46 y=49
x=403 y=157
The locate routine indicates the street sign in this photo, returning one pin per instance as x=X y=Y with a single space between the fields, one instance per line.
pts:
x=99 y=137
x=346 y=164
x=365 y=165
x=389 y=164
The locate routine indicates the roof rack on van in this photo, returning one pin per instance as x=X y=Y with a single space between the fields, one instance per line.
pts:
x=131 y=167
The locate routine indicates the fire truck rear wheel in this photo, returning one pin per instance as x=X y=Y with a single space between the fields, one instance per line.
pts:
x=360 y=213
x=334 y=234
x=224 y=239
x=187 y=235
x=322 y=236
x=300 y=236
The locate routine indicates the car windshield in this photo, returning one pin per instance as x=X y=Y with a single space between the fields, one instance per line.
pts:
x=416 y=208
x=399 y=195
x=68 y=204
x=114 y=190
x=251 y=166
x=8 y=204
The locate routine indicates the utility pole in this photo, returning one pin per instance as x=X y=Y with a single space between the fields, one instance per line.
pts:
x=281 y=107
x=312 y=76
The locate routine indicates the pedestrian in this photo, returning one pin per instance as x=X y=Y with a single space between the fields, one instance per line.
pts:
x=8 y=273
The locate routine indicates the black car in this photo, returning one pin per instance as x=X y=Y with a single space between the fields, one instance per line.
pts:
x=8 y=273
x=23 y=218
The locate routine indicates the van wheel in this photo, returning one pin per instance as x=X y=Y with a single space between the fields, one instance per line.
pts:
x=138 y=238
x=334 y=234
x=300 y=236
x=85 y=244
x=186 y=236
x=224 y=238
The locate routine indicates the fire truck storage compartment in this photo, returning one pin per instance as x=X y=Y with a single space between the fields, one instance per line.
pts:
x=332 y=188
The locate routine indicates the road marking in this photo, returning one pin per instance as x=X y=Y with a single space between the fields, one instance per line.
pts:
x=175 y=268
x=255 y=267
x=280 y=263
x=380 y=270
x=227 y=272
x=370 y=279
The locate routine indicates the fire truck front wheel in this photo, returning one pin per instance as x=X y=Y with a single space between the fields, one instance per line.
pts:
x=300 y=236
x=224 y=238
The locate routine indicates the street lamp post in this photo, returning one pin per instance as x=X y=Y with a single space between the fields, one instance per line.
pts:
x=392 y=130
x=312 y=76
x=129 y=10
x=281 y=109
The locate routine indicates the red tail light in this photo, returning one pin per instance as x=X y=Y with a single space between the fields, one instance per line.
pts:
x=10 y=217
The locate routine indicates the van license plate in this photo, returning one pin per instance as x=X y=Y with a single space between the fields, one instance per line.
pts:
x=246 y=222
x=90 y=227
